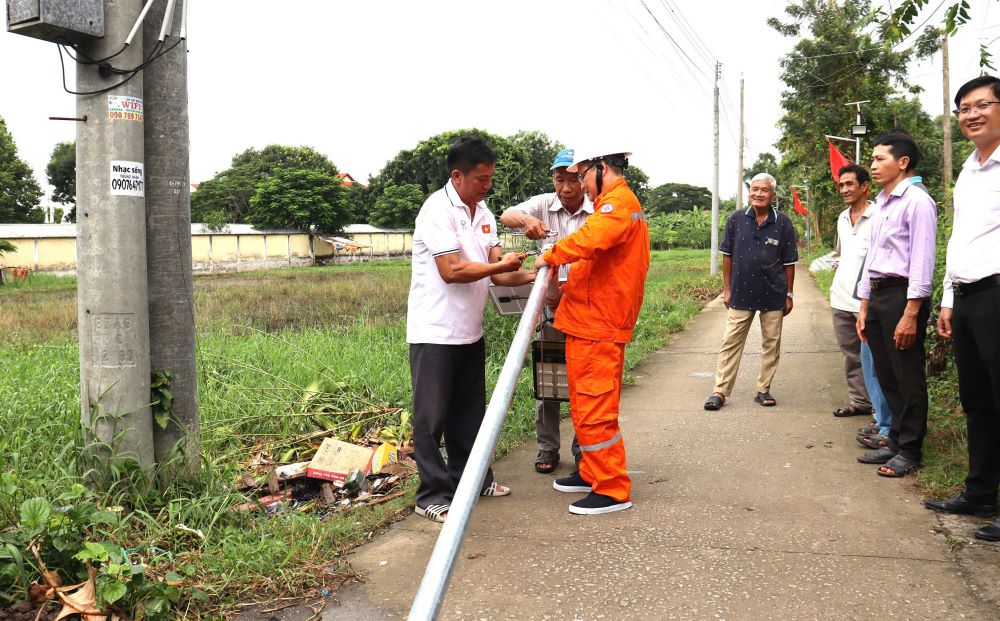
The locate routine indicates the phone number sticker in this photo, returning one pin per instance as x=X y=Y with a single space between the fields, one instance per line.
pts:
x=121 y=107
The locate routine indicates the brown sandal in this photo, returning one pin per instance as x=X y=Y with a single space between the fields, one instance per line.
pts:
x=546 y=462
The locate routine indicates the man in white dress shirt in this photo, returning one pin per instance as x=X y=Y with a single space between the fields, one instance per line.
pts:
x=970 y=304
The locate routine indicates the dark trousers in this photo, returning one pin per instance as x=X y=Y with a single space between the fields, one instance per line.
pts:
x=449 y=399
x=976 y=330
x=900 y=372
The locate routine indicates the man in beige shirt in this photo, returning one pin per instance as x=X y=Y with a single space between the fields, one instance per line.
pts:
x=548 y=218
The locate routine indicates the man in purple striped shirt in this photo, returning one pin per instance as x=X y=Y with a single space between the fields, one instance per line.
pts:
x=895 y=290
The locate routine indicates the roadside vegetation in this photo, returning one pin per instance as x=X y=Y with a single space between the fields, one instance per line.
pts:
x=264 y=339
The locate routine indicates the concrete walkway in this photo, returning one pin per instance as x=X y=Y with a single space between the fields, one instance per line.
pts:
x=744 y=513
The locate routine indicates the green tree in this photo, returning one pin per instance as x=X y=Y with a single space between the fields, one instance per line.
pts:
x=229 y=192
x=900 y=25
x=398 y=206
x=766 y=163
x=539 y=151
x=671 y=197
x=61 y=173
x=836 y=60
x=638 y=180
x=424 y=166
x=305 y=200
x=19 y=192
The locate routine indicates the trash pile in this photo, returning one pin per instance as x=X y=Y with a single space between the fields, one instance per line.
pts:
x=340 y=476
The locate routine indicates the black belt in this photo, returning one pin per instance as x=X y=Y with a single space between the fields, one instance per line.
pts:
x=968 y=288
x=889 y=281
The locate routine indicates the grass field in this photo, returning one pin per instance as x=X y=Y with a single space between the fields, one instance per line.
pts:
x=946 y=457
x=263 y=339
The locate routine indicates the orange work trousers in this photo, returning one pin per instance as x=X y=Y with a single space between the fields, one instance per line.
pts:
x=594 y=369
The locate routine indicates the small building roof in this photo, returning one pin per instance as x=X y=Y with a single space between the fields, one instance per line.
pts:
x=30 y=231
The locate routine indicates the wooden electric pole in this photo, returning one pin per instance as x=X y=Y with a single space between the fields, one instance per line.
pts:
x=739 y=165
x=715 y=174
x=946 y=132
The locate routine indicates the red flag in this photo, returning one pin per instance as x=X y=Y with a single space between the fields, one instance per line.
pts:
x=837 y=161
x=797 y=203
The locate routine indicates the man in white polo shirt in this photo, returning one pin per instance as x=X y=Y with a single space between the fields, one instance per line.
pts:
x=549 y=218
x=455 y=249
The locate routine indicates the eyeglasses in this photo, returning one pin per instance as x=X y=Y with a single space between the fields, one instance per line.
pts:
x=980 y=107
x=580 y=176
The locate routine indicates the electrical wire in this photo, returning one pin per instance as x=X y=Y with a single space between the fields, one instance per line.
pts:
x=641 y=67
x=669 y=61
x=688 y=31
x=674 y=41
x=154 y=54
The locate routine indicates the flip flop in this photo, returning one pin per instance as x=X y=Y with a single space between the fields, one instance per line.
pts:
x=900 y=467
x=495 y=489
x=434 y=513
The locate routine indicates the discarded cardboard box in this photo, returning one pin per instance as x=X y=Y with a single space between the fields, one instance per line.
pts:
x=335 y=460
x=386 y=455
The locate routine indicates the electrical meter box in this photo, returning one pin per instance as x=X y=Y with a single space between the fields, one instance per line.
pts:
x=59 y=21
x=549 y=370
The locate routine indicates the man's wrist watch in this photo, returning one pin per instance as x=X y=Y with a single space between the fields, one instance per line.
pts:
x=791 y=295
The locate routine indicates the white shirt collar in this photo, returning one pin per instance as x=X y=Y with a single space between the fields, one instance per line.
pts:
x=972 y=162
x=587 y=206
x=456 y=200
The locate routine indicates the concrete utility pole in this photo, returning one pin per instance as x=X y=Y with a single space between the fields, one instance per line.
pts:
x=715 y=173
x=168 y=237
x=111 y=247
x=739 y=166
x=946 y=132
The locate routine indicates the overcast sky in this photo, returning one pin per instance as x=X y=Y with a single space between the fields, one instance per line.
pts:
x=360 y=81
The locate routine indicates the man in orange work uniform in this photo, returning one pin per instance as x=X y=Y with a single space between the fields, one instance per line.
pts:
x=599 y=307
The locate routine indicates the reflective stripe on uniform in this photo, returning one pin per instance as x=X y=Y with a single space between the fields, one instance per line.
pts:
x=638 y=216
x=601 y=445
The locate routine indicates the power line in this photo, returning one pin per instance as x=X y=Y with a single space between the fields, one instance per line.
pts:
x=638 y=64
x=670 y=62
x=689 y=31
x=674 y=41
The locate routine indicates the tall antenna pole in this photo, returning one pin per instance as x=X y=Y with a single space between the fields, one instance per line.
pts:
x=715 y=174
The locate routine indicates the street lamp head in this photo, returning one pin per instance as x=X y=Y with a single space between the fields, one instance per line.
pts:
x=859 y=131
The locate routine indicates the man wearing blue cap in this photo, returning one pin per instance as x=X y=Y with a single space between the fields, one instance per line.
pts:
x=549 y=218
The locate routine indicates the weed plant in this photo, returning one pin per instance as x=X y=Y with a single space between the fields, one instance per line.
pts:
x=265 y=339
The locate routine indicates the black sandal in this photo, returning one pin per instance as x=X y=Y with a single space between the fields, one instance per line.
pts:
x=765 y=399
x=900 y=466
x=714 y=402
x=879 y=456
x=852 y=411
x=546 y=462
